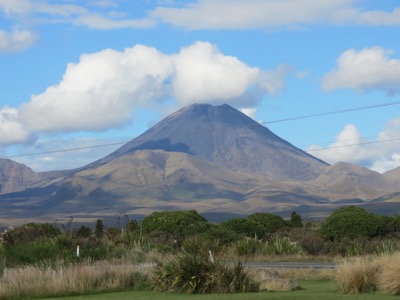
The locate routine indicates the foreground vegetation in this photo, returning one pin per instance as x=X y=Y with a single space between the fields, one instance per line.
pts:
x=312 y=290
x=181 y=252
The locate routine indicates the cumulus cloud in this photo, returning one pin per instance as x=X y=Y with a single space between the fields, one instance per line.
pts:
x=100 y=91
x=380 y=154
x=16 y=40
x=103 y=89
x=203 y=74
x=368 y=69
x=11 y=130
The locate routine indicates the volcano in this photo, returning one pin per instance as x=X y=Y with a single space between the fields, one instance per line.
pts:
x=228 y=138
x=214 y=159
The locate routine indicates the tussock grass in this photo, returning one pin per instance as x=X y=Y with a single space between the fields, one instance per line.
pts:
x=357 y=275
x=373 y=273
x=388 y=279
x=84 y=277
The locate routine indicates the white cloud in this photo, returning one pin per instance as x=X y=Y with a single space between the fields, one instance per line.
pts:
x=15 y=6
x=100 y=91
x=16 y=40
x=381 y=154
x=206 y=14
x=103 y=89
x=203 y=74
x=11 y=130
x=380 y=18
x=99 y=21
x=368 y=69
x=249 y=111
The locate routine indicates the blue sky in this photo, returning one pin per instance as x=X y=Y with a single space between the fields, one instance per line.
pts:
x=77 y=74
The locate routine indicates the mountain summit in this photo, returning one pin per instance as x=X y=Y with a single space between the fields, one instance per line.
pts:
x=228 y=138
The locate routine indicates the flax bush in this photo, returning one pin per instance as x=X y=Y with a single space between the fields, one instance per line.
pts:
x=196 y=274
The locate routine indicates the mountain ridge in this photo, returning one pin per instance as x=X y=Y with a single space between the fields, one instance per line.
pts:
x=210 y=158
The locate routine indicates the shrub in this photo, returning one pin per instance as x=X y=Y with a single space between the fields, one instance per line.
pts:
x=199 y=244
x=244 y=226
x=283 y=246
x=270 y=223
x=249 y=246
x=175 y=224
x=83 y=232
x=386 y=247
x=196 y=274
x=351 y=222
x=30 y=253
x=312 y=243
x=220 y=233
x=29 y=233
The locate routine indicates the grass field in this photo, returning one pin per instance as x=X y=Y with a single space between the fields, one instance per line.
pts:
x=312 y=290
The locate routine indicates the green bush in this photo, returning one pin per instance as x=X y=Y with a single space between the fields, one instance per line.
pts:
x=249 y=246
x=295 y=220
x=199 y=244
x=386 y=247
x=270 y=223
x=244 y=226
x=220 y=233
x=30 y=253
x=29 y=233
x=175 y=224
x=283 y=246
x=196 y=274
x=351 y=222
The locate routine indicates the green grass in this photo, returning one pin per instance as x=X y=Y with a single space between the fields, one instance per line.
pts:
x=312 y=290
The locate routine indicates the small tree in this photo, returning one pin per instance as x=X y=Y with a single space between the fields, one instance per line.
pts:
x=99 y=230
x=295 y=220
x=351 y=222
x=83 y=232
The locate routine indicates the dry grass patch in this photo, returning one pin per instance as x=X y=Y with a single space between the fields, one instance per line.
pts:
x=366 y=274
x=78 y=278
x=388 y=279
x=358 y=275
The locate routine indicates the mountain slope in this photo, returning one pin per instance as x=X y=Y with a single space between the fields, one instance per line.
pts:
x=393 y=174
x=152 y=178
x=343 y=180
x=15 y=177
x=227 y=137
